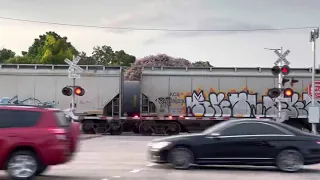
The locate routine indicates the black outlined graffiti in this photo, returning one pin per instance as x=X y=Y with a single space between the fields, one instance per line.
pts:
x=244 y=104
x=172 y=99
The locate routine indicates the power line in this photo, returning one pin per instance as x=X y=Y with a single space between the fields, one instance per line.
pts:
x=157 y=29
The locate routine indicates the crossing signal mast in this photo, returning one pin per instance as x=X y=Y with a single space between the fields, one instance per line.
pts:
x=281 y=69
x=73 y=71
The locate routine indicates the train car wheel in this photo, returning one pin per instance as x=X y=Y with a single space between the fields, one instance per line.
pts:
x=173 y=128
x=116 y=130
x=135 y=128
x=88 y=127
x=146 y=129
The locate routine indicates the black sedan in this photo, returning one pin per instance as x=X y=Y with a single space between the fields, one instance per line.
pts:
x=240 y=142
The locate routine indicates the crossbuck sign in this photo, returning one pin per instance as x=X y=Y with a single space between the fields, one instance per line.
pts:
x=282 y=57
x=74 y=68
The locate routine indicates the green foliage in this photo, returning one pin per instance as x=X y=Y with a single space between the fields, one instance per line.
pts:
x=19 y=60
x=104 y=55
x=85 y=60
x=49 y=48
x=6 y=54
x=123 y=59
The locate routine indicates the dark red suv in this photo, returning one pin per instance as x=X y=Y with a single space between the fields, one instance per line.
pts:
x=33 y=138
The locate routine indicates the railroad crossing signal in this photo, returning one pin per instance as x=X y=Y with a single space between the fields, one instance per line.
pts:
x=275 y=70
x=274 y=92
x=77 y=90
x=284 y=70
x=67 y=91
x=282 y=57
x=288 y=92
x=74 y=68
x=281 y=69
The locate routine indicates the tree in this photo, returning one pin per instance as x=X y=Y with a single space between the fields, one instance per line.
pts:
x=134 y=72
x=85 y=60
x=123 y=59
x=6 y=54
x=49 y=48
x=19 y=60
x=104 y=55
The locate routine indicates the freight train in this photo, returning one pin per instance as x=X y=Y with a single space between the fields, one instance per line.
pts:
x=167 y=100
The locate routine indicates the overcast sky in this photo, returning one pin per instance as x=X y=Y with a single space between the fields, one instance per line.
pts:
x=220 y=48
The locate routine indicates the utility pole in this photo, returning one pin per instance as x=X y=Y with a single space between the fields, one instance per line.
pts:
x=314 y=114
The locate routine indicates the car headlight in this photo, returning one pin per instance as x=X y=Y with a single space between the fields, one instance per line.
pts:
x=159 y=145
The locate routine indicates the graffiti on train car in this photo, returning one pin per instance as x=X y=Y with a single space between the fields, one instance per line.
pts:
x=28 y=101
x=242 y=103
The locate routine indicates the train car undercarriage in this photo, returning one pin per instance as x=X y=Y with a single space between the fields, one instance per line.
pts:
x=161 y=127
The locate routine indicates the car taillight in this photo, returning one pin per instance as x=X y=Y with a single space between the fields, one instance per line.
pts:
x=318 y=142
x=60 y=133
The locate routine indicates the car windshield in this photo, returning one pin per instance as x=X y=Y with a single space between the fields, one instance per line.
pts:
x=215 y=128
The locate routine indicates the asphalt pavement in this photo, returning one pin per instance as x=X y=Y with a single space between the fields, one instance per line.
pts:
x=124 y=158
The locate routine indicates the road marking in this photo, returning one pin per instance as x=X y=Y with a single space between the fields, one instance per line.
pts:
x=151 y=164
x=135 y=170
x=116 y=176
x=104 y=179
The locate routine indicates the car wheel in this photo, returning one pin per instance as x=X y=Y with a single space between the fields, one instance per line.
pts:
x=181 y=158
x=22 y=165
x=41 y=169
x=289 y=160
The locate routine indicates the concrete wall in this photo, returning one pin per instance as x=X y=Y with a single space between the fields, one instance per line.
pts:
x=44 y=83
x=240 y=92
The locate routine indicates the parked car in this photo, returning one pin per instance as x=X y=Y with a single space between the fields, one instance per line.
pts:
x=34 y=138
x=240 y=142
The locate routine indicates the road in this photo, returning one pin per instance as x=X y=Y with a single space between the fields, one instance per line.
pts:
x=124 y=158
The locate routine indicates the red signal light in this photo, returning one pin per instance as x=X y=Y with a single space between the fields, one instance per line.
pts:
x=285 y=70
x=79 y=91
x=288 y=92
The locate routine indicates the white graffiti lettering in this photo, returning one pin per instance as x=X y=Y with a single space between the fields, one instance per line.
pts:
x=245 y=104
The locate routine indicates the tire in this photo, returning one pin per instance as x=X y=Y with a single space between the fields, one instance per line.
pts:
x=26 y=156
x=289 y=160
x=181 y=158
x=41 y=170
